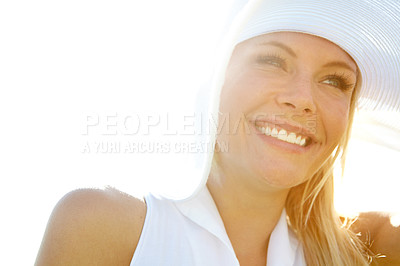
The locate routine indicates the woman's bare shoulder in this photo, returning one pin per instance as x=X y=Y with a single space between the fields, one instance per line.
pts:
x=382 y=234
x=93 y=227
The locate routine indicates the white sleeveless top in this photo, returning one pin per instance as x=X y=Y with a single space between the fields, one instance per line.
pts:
x=191 y=233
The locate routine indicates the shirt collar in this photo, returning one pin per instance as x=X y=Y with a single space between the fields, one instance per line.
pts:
x=283 y=245
x=283 y=248
x=202 y=210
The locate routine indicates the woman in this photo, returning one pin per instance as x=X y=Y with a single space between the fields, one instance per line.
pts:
x=285 y=92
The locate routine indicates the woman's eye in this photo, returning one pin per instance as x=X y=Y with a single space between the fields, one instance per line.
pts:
x=340 y=82
x=275 y=61
x=332 y=82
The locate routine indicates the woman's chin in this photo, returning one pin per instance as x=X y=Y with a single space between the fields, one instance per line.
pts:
x=282 y=178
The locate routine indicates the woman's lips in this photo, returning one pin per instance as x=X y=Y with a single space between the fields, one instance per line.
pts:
x=284 y=136
x=287 y=131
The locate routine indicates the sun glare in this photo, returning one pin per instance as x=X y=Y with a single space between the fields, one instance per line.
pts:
x=79 y=72
x=371 y=177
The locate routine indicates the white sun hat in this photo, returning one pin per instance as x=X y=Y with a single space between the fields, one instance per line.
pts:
x=368 y=30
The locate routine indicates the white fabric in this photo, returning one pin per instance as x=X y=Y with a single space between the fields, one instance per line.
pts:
x=191 y=233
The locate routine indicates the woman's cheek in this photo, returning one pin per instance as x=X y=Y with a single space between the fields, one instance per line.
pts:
x=338 y=117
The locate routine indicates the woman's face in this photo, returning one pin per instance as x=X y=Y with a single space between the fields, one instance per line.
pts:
x=284 y=107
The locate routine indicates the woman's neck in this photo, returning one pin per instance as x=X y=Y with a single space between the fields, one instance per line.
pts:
x=249 y=215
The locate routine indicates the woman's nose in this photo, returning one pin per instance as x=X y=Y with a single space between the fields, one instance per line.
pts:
x=298 y=95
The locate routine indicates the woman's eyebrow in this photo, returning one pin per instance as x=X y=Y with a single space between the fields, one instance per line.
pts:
x=292 y=53
x=280 y=45
x=340 y=64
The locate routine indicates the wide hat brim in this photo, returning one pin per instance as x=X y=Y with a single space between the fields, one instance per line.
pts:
x=368 y=30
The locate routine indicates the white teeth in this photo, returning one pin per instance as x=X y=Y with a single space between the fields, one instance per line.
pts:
x=282 y=132
x=283 y=135
x=302 y=142
x=292 y=137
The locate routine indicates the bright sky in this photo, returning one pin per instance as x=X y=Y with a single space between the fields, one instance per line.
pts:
x=371 y=178
x=62 y=62
x=64 y=65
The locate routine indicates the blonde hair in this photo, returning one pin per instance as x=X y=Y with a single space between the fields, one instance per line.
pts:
x=325 y=238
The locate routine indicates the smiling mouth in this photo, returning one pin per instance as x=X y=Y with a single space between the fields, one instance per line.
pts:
x=284 y=135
